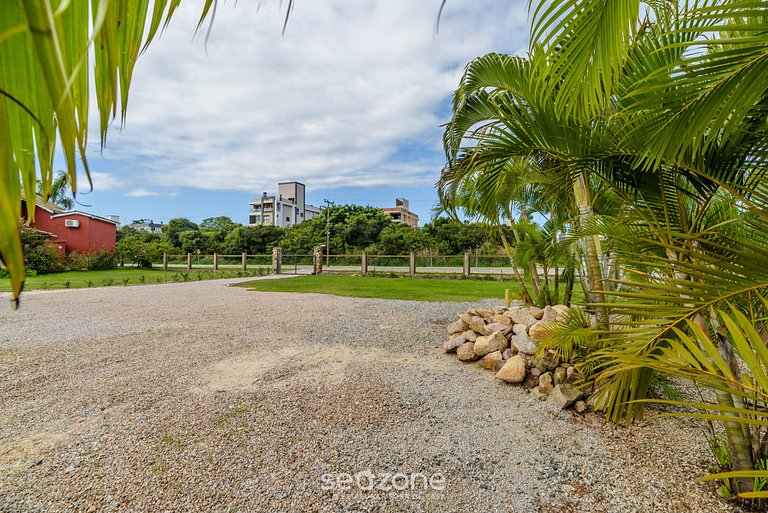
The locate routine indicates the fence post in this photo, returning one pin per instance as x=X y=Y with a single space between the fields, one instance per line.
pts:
x=189 y=261
x=165 y=261
x=412 y=264
x=317 y=260
x=365 y=263
x=245 y=262
x=277 y=257
x=466 y=264
x=215 y=261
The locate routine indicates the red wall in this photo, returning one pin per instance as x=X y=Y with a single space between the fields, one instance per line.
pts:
x=91 y=235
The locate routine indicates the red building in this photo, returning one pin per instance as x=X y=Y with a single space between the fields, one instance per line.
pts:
x=73 y=231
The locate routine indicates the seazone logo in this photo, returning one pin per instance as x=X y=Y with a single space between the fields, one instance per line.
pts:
x=369 y=481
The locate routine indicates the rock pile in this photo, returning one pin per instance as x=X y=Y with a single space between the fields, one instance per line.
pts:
x=505 y=341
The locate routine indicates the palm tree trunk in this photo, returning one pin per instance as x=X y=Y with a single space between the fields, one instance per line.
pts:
x=523 y=290
x=592 y=250
x=532 y=268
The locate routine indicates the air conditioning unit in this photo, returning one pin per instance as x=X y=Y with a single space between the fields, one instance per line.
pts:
x=72 y=223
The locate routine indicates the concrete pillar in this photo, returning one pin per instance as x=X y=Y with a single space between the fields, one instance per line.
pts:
x=245 y=262
x=317 y=260
x=189 y=261
x=365 y=263
x=165 y=261
x=412 y=264
x=277 y=260
x=467 y=269
x=215 y=261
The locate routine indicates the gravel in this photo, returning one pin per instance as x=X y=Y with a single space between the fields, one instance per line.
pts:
x=202 y=397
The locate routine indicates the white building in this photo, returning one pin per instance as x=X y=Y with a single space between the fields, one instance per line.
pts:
x=286 y=208
x=146 y=226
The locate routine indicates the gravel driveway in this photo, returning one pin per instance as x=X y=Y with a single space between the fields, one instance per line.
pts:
x=201 y=397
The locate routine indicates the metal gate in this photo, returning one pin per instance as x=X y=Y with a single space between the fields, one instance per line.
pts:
x=296 y=264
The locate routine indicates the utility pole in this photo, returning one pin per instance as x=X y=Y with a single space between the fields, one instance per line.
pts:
x=328 y=206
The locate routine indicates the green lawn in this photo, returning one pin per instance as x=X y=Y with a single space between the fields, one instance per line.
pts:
x=415 y=289
x=113 y=277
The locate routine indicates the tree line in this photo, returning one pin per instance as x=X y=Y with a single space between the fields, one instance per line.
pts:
x=353 y=229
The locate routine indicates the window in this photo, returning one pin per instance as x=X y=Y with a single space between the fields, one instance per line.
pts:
x=254 y=219
x=278 y=206
x=287 y=219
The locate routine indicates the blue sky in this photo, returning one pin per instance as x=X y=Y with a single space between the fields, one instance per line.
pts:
x=349 y=102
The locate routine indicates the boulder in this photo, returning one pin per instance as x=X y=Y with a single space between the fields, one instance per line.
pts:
x=571 y=374
x=536 y=393
x=477 y=324
x=495 y=326
x=546 y=383
x=502 y=319
x=530 y=382
x=470 y=335
x=453 y=344
x=549 y=360
x=563 y=396
x=523 y=344
x=484 y=313
x=466 y=318
x=536 y=312
x=488 y=344
x=508 y=353
x=540 y=331
x=520 y=329
x=560 y=375
x=466 y=352
x=521 y=316
x=513 y=370
x=535 y=372
x=562 y=312
x=549 y=314
x=490 y=360
x=458 y=326
x=580 y=406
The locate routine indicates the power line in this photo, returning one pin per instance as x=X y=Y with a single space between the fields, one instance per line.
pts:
x=328 y=204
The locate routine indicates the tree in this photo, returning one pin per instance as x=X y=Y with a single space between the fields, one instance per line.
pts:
x=60 y=191
x=174 y=228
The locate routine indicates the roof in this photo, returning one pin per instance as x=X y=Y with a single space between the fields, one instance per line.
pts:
x=48 y=206
x=92 y=216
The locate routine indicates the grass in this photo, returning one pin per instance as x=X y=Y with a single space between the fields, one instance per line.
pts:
x=414 y=289
x=117 y=278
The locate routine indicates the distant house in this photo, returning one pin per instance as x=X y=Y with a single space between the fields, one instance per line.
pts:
x=147 y=226
x=287 y=208
x=73 y=231
x=401 y=213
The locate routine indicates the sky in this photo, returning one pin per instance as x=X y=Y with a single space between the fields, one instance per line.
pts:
x=349 y=102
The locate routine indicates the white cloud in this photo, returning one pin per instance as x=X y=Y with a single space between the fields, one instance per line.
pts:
x=335 y=102
x=141 y=193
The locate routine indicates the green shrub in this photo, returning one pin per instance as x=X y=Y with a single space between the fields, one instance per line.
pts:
x=103 y=260
x=45 y=259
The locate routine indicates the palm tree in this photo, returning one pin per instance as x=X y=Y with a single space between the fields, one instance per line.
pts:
x=60 y=191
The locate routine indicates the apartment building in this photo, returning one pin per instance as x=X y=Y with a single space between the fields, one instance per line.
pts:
x=401 y=213
x=286 y=208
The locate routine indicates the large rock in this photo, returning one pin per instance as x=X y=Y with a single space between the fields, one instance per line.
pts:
x=470 y=335
x=466 y=318
x=536 y=312
x=482 y=312
x=453 y=344
x=488 y=344
x=466 y=352
x=520 y=329
x=502 y=319
x=477 y=324
x=549 y=314
x=457 y=326
x=508 y=353
x=563 y=396
x=560 y=375
x=521 y=316
x=547 y=361
x=562 y=312
x=523 y=344
x=546 y=384
x=580 y=406
x=495 y=326
x=490 y=360
x=513 y=370
x=540 y=331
